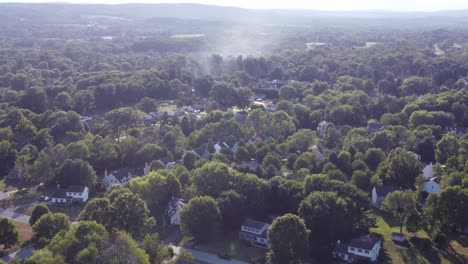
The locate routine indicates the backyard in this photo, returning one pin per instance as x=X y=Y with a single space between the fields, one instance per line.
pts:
x=418 y=249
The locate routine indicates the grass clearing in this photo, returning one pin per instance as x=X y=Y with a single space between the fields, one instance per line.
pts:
x=418 y=249
x=227 y=243
x=72 y=210
x=25 y=234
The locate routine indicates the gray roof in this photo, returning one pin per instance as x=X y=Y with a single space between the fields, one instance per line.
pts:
x=121 y=173
x=253 y=224
x=76 y=188
x=366 y=242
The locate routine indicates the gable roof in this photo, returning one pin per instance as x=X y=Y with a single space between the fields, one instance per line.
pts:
x=76 y=188
x=253 y=224
x=121 y=173
x=200 y=151
x=174 y=205
x=366 y=242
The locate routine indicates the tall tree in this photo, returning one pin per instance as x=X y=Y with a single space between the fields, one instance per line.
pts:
x=401 y=204
x=39 y=210
x=8 y=233
x=200 y=218
x=289 y=240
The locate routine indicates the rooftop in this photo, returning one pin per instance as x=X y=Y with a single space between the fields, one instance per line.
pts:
x=366 y=242
x=253 y=224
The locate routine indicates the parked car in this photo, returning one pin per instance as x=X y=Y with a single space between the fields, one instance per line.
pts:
x=44 y=199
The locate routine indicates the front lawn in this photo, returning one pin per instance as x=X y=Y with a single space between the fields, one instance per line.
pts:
x=418 y=249
x=228 y=243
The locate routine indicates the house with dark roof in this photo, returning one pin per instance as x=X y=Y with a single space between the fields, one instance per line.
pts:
x=174 y=208
x=254 y=233
x=201 y=153
x=374 y=128
x=360 y=248
x=117 y=177
x=167 y=163
x=72 y=194
x=378 y=194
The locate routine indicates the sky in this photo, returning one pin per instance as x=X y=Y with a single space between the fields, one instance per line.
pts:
x=346 y=5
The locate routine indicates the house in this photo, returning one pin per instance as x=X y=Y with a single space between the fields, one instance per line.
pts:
x=251 y=165
x=459 y=131
x=271 y=108
x=417 y=156
x=254 y=233
x=379 y=193
x=167 y=163
x=397 y=237
x=374 y=128
x=173 y=210
x=365 y=247
x=202 y=153
x=428 y=171
x=431 y=186
x=118 y=177
x=72 y=194
x=218 y=147
x=259 y=97
x=322 y=127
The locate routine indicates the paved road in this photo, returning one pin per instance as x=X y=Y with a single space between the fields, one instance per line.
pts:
x=14 y=216
x=23 y=253
x=206 y=257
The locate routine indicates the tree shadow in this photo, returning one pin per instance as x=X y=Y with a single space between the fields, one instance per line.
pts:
x=425 y=249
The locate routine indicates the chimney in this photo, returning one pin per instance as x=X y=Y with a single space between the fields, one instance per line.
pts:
x=105 y=173
x=338 y=242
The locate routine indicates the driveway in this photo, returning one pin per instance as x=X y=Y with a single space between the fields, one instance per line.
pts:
x=206 y=257
x=23 y=253
x=14 y=216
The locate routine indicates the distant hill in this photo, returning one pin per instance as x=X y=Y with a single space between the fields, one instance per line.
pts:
x=71 y=13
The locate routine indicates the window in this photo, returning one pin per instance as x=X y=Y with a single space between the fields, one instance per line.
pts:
x=366 y=251
x=351 y=249
x=360 y=250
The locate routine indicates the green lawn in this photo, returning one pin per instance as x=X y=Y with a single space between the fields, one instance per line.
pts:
x=419 y=248
x=228 y=243
x=25 y=234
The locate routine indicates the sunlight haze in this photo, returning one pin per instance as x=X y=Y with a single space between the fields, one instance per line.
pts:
x=346 y=5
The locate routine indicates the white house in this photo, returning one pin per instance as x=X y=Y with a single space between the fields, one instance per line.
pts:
x=173 y=210
x=271 y=108
x=431 y=186
x=322 y=126
x=363 y=247
x=379 y=193
x=118 y=177
x=255 y=233
x=428 y=171
x=167 y=163
x=74 y=193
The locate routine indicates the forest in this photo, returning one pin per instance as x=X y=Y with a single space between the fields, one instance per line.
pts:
x=176 y=126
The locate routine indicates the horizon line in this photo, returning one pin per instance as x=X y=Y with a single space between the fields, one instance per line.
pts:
x=241 y=7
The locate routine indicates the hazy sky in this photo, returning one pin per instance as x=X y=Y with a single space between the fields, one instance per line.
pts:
x=394 y=5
